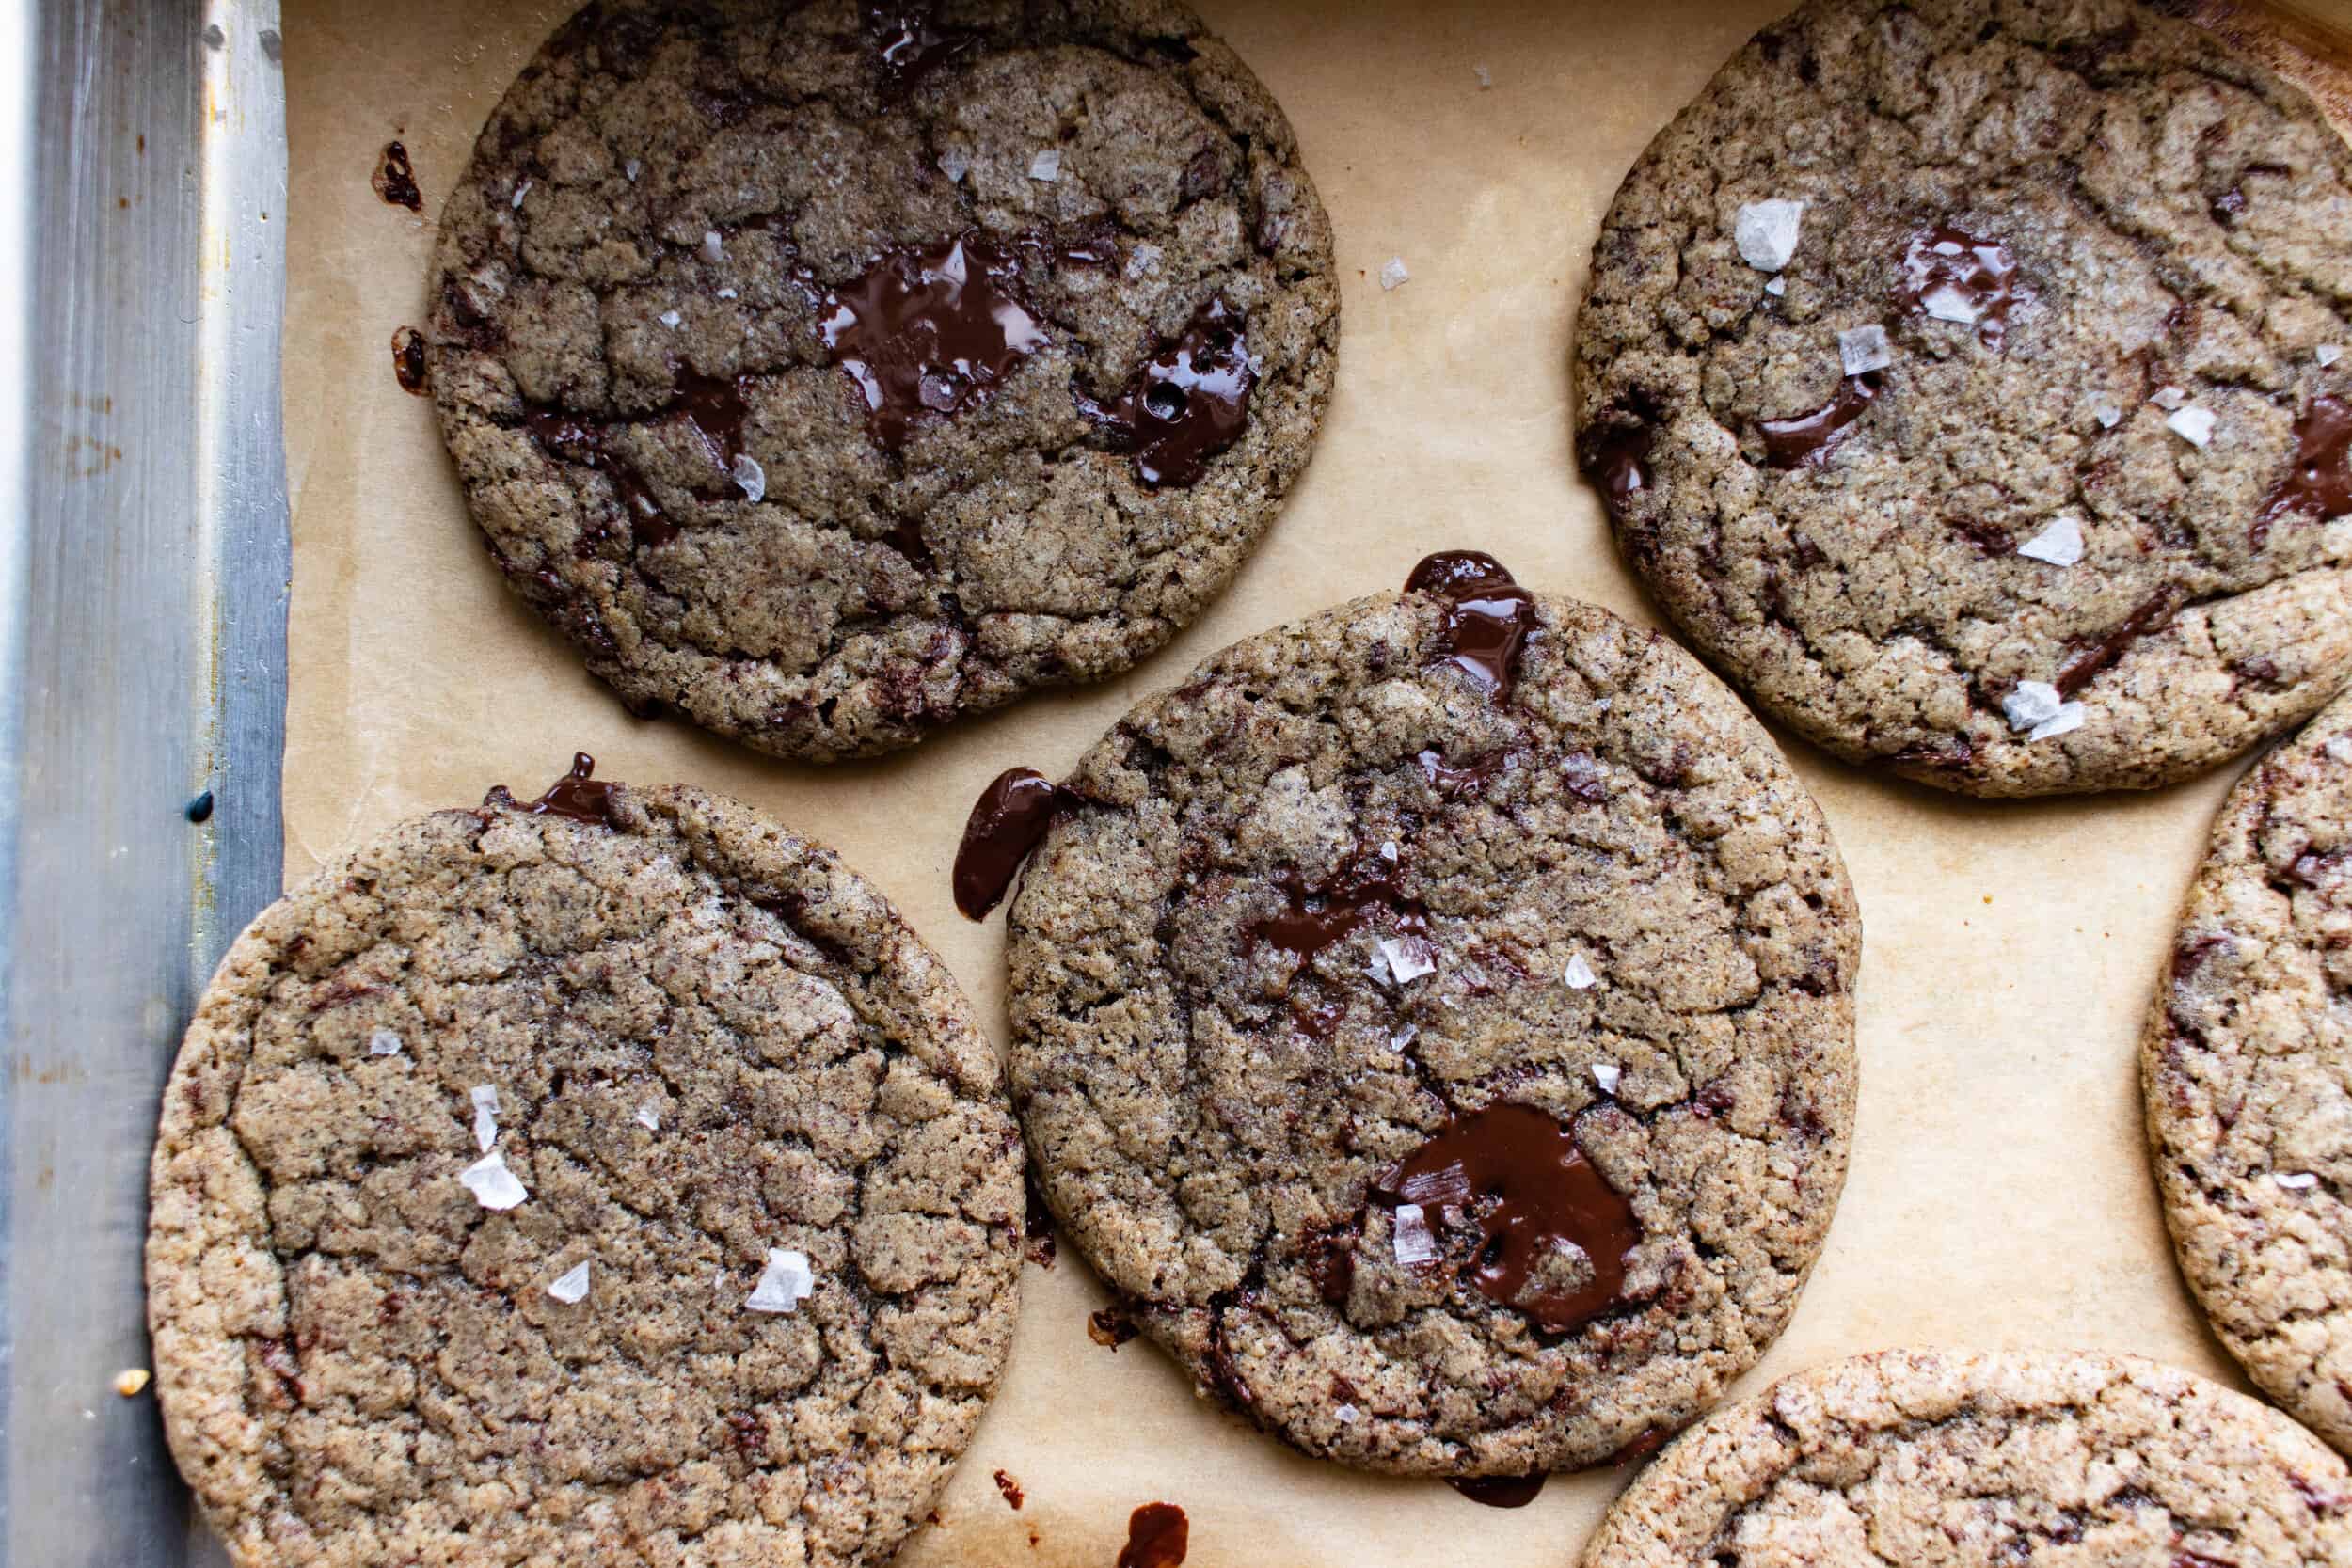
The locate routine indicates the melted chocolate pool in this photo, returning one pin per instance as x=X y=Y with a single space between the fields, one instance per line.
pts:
x=1487 y=618
x=929 y=330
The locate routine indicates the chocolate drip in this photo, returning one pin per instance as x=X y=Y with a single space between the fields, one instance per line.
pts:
x=1501 y=1490
x=1158 y=1535
x=1008 y=821
x=1188 y=402
x=1517 y=1172
x=2152 y=615
x=929 y=330
x=713 y=408
x=577 y=795
x=1361 y=893
x=1488 y=617
x=2320 y=484
x=1806 y=440
x=1617 y=458
x=1955 y=275
x=395 y=180
x=910 y=43
x=409 y=361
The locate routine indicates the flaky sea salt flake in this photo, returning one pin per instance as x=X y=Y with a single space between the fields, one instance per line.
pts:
x=486 y=1116
x=492 y=1184
x=1776 y=285
x=1579 y=976
x=571 y=1287
x=783 y=1284
x=2060 y=544
x=714 y=249
x=648 y=1118
x=1347 y=1415
x=1046 y=165
x=2068 y=719
x=2194 y=425
x=2032 y=704
x=671 y=319
x=1607 y=1075
x=749 y=477
x=1403 y=1038
x=955 y=164
x=2327 y=354
x=632 y=168
x=383 y=1043
x=1408 y=958
x=1485 y=77
x=521 y=191
x=1394 y=273
x=2109 y=415
x=2296 y=1181
x=1766 y=233
x=2340 y=749
x=727 y=293
x=1414 y=1243
x=1865 y=349
x=2168 y=398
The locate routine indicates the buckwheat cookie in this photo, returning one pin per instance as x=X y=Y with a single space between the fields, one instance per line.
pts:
x=1436 y=1019
x=825 y=371
x=611 y=1179
x=1985 y=1460
x=1968 y=379
x=2248 y=1069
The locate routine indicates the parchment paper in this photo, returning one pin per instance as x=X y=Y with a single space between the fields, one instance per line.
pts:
x=2000 y=1193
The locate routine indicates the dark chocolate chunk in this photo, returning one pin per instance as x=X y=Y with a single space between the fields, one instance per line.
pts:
x=409 y=361
x=1501 y=1490
x=1008 y=821
x=2319 y=486
x=1804 y=439
x=1157 y=1537
x=395 y=180
x=578 y=795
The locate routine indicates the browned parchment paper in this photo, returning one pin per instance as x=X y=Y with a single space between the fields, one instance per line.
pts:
x=1999 y=1194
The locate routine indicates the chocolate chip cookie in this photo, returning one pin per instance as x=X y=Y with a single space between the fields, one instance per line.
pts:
x=1975 y=1460
x=1969 y=381
x=1436 y=1018
x=609 y=1180
x=826 y=372
x=2245 y=1065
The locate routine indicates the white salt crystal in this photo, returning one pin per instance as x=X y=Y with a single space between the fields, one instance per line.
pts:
x=1776 y=285
x=1393 y=273
x=1404 y=1037
x=2060 y=544
x=749 y=477
x=2109 y=415
x=571 y=1288
x=383 y=1043
x=670 y=318
x=1766 y=233
x=1950 y=305
x=1046 y=165
x=2327 y=354
x=632 y=169
x=1414 y=1243
x=1579 y=976
x=1388 y=850
x=2296 y=1181
x=726 y=294
x=1346 y=1415
x=714 y=249
x=649 y=1118
x=2032 y=704
x=521 y=191
x=2340 y=749
x=486 y=1116
x=1864 y=350
x=783 y=1284
x=492 y=1184
x=1408 y=959
x=2168 y=397
x=2065 y=722
x=2194 y=425
x=955 y=163
x=1607 y=1075
x=1485 y=77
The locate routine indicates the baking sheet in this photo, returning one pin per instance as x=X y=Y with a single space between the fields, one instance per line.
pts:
x=1999 y=1195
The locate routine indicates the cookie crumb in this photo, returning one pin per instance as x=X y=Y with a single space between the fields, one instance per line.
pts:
x=2060 y=544
x=749 y=477
x=1766 y=233
x=493 y=1185
x=783 y=1284
x=2068 y=719
x=1865 y=349
x=1607 y=1075
x=1414 y=1243
x=132 y=1381
x=2296 y=1181
x=2194 y=425
x=2032 y=704
x=1579 y=976
x=571 y=1288
x=1393 y=273
x=1046 y=165
x=486 y=1116
x=714 y=249
x=383 y=1043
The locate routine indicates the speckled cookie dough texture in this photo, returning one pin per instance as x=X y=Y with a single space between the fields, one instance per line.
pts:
x=827 y=371
x=535 y=1190
x=1435 y=1020
x=1969 y=380
x=1983 y=1460
x=2247 y=1067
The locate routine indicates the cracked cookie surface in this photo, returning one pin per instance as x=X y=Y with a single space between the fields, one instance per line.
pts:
x=2092 y=239
x=2247 y=1070
x=785 y=382
x=706 y=1040
x=1976 y=1460
x=1535 y=935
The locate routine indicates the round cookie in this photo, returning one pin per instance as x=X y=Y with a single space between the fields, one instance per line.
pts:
x=826 y=372
x=1972 y=382
x=1435 y=1021
x=613 y=1180
x=2246 y=1066
x=1985 y=1460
